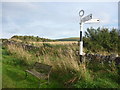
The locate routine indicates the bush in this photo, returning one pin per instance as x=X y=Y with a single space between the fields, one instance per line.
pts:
x=102 y=39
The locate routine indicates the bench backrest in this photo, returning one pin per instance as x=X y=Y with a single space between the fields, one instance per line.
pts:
x=42 y=68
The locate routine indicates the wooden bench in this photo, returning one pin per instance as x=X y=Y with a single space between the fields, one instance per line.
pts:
x=39 y=70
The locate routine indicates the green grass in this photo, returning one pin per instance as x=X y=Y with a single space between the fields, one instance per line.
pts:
x=13 y=73
x=96 y=76
x=101 y=76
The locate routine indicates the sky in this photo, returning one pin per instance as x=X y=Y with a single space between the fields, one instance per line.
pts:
x=54 y=20
x=119 y=16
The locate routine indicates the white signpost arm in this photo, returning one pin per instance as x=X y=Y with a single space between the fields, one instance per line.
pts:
x=92 y=21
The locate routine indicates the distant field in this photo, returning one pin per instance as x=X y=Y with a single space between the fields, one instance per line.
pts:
x=69 y=39
x=57 y=42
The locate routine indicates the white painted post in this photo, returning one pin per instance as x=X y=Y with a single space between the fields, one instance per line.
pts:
x=81 y=41
x=81 y=13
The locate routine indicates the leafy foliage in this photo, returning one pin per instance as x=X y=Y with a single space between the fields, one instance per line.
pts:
x=101 y=39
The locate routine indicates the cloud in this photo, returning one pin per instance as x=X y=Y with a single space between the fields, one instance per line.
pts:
x=53 y=20
x=105 y=18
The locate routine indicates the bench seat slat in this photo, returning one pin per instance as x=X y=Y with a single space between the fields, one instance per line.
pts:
x=40 y=70
x=37 y=74
x=44 y=67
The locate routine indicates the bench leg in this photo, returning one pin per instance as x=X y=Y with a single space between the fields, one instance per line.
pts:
x=39 y=83
x=26 y=75
x=48 y=79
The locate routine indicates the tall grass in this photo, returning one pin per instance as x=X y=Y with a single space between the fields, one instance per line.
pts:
x=21 y=54
x=62 y=59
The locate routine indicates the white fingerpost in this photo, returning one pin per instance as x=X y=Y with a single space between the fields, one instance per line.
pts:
x=86 y=19
x=81 y=41
x=81 y=13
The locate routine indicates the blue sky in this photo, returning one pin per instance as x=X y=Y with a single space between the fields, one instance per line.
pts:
x=54 y=19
